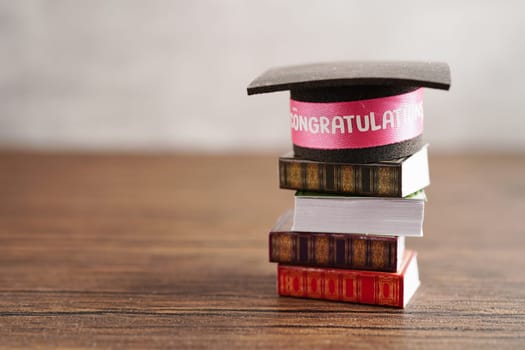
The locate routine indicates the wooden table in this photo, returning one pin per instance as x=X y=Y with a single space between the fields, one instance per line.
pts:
x=157 y=251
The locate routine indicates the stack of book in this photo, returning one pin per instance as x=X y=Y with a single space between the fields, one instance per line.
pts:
x=360 y=187
x=346 y=239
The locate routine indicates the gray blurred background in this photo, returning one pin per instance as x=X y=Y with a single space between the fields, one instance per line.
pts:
x=171 y=75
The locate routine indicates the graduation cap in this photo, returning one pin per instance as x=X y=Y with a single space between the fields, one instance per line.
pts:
x=355 y=111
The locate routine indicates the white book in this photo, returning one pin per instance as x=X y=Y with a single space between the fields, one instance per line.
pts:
x=364 y=215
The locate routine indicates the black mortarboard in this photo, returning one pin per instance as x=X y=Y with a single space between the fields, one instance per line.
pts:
x=354 y=81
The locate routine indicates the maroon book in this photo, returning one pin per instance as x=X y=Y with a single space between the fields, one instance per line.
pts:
x=322 y=249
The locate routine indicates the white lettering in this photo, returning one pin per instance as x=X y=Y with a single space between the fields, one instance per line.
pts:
x=396 y=112
x=360 y=126
x=348 y=119
x=338 y=123
x=388 y=118
x=293 y=121
x=346 y=124
x=373 y=124
x=313 y=125
x=324 y=125
x=303 y=123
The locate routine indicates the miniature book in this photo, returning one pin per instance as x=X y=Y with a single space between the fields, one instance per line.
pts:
x=316 y=212
x=354 y=286
x=389 y=178
x=347 y=251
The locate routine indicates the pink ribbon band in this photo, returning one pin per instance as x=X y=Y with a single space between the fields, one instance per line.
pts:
x=357 y=124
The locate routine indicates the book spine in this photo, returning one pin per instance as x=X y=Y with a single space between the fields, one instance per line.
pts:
x=354 y=286
x=357 y=179
x=335 y=250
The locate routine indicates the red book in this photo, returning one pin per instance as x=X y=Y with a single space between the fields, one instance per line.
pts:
x=354 y=286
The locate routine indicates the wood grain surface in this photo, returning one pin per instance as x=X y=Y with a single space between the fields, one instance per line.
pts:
x=170 y=251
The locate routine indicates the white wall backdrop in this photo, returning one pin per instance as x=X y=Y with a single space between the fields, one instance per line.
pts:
x=172 y=74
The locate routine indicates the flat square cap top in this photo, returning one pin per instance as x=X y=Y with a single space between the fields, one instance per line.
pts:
x=341 y=74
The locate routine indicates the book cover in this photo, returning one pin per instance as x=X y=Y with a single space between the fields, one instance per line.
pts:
x=354 y=286
x=362 y=252
x=323 y=212
x=394 y=178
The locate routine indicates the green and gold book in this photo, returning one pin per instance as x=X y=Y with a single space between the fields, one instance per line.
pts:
x=394 y=178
